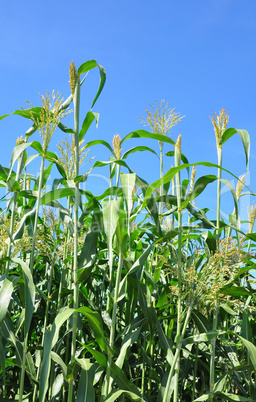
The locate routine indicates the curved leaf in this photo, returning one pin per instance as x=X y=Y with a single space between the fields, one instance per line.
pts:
x=57 y=194
x=244 y=137
x=87 y=123
x=102 y=142
x=139 y=148
x=89 y=65
x=6 y=290
x=147 y=134
x=29 y=292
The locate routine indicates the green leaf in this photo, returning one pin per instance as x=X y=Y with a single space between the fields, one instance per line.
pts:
x=96 y=325
x=110 y=210
x=85 y=390
x=57 y=359
x=136 y=149
x=205 y=337
x=116 y=373
x=173 y=171
x=147 y=134
x=2 y=358
x=17 y=151
x=12 y=185
x=29 y=292
x=7 y=330
x=87 y=256
x=51 y=338
x=235 y=291
x=246 y=327
x=198 y=188
x=202 y=323
x=102 y=142
x=87 y=123
x=57 y=385
x=128 y=183
x=89 y=65
x=28 y=113
x=251 y=349
x=114 y=395
x=225 y=396
x=6 y=290
x=57 y=194
x=19 y=232
x=228 y=309
x=245 y=140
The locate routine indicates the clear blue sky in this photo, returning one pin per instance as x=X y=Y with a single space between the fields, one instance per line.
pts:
x=197 y=55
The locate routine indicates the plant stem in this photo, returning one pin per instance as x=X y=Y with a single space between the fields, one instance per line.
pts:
x=179 y=308
x=114 y=312
x=36 y=215
x=161 y=175
x=176 y=356
x=23 y=368
x=18 y=173
x=213 y=348
x=219 y=151
x=76 y=99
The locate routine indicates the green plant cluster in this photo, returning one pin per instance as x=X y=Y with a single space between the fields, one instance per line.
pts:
x=134 y=294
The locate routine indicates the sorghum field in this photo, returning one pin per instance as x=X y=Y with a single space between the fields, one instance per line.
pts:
x=136 y=293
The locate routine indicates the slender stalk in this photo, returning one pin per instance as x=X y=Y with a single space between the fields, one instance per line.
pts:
x=18 y=173
x=161 y=175
x=76 y=99
x=40 y=185
x=23 y=368
x=213 y=348
x=177 y=155
x=45 y=324
x=177 y=353
x=114 y=312
x=219 y=150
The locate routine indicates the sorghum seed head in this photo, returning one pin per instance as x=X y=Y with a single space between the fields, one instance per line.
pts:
x=117 y=145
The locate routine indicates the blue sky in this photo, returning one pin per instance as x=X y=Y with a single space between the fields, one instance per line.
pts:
x=198 y=55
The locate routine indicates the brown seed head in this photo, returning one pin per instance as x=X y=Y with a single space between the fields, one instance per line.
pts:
x=219 y=124
x=117 y=145
x=251 y=217
x=178 y=145
x=73 y=77
x=240 y=186
x=20 y=140
x=192 y=180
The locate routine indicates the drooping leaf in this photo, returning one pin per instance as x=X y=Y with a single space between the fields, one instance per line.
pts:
x=96 y=325
x=147 y=134
x=87 y=123
x=51 y=338
x=29 y=292
x=6 y=290
x=89 y=65
x=136 y=149
x=245 y=140
x=57 y=194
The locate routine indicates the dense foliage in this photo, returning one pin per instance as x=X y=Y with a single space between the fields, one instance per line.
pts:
x=135 y=294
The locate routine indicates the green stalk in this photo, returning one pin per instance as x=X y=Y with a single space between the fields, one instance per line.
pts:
x=213 y=348
x=63 y=271
x=76 y=100
x=219 y=150
x=114 y=312
x=161 y=175
x=23 y=368
x=177 y=155
x=18 y=173
x=45 y=324
x=40 y=185
x=177 y=354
